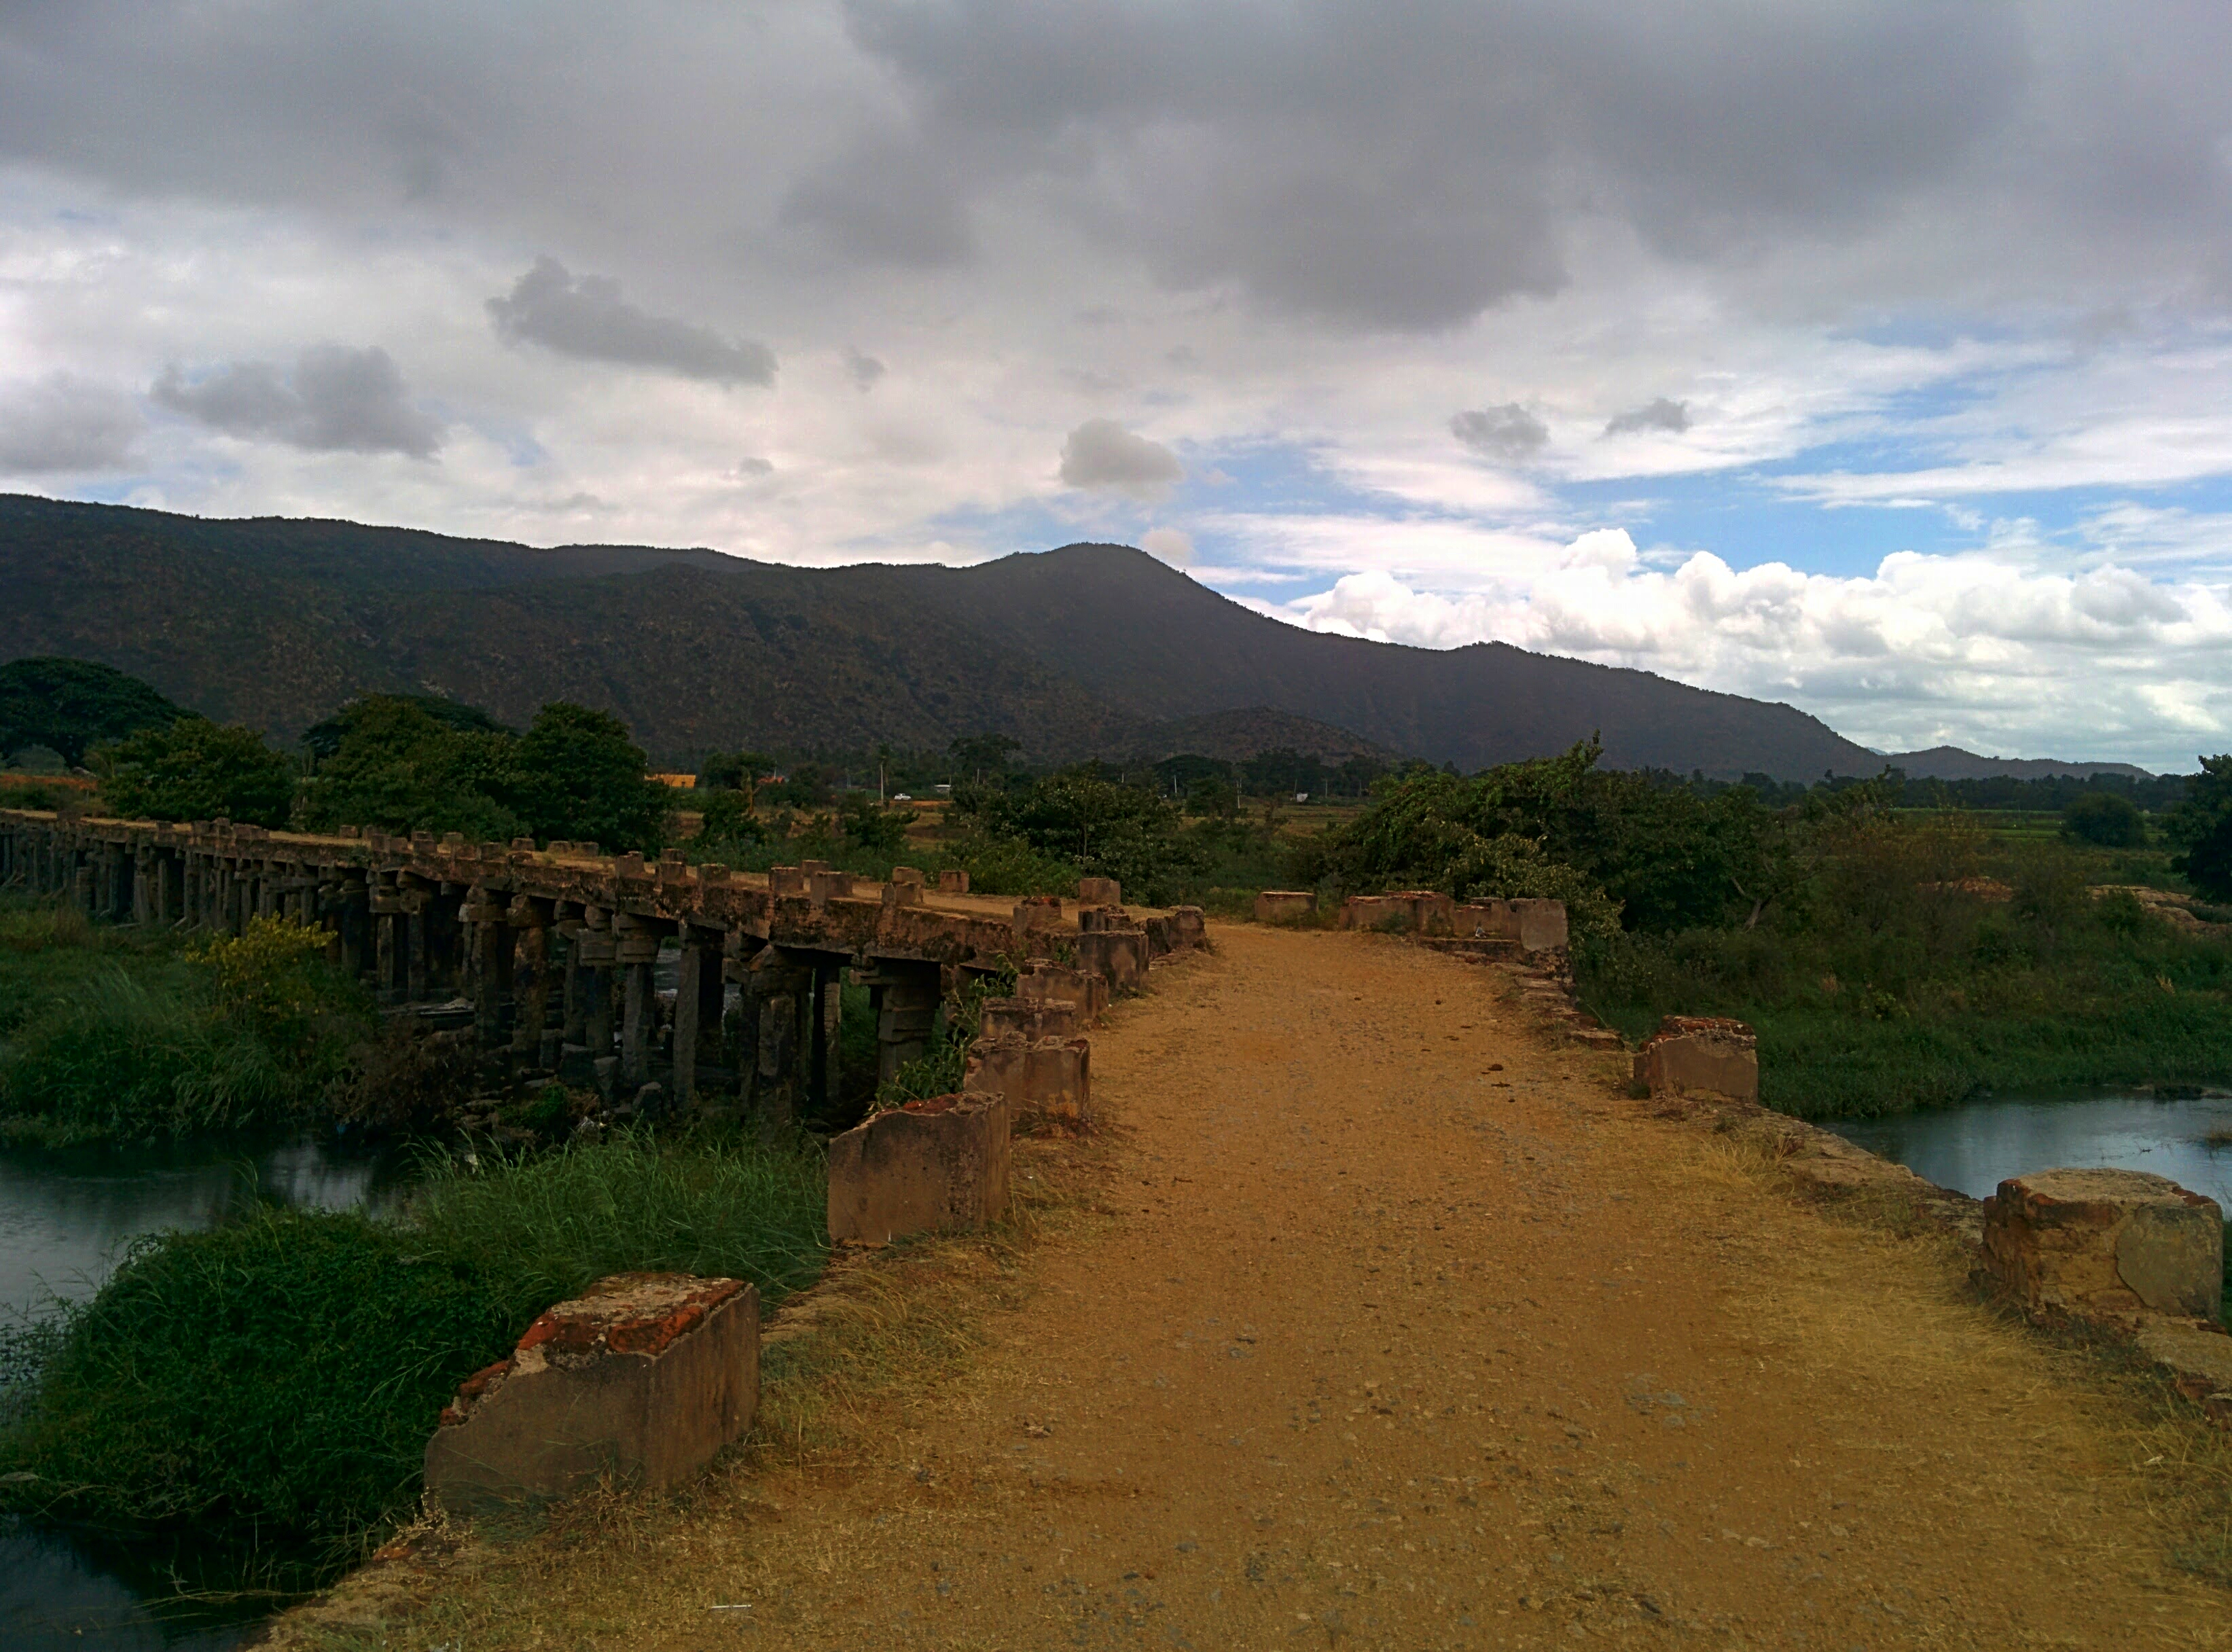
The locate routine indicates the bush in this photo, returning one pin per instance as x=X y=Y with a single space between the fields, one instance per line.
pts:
x=406 y=763
x=2106 y=819
x=270 y=1383
x=2202 y=826
x=192 y=769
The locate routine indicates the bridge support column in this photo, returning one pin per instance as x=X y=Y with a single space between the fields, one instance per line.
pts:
x=697 y=999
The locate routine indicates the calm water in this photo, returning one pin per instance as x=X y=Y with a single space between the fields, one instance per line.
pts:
x=1972 y=1149
x=65 y=1220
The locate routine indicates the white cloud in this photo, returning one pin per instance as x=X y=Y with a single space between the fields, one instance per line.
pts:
x=61 y=425
x=2014 y=658
x=1169 y=545
x=1102 y=454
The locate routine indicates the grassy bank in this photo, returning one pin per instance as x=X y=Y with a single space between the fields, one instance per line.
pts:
x=271 y=1385
x=1886 y=989
x=117 y=1035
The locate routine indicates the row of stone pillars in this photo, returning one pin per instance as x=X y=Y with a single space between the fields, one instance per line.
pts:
x=552 y=986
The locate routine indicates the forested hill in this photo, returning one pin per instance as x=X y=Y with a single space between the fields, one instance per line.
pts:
x=1075 y=651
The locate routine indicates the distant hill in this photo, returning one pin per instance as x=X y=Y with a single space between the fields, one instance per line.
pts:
x=1951 y=763
x=1090 y=649
x=1233 y=736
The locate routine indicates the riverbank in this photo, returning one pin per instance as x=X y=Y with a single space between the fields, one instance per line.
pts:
x=1379 y=1319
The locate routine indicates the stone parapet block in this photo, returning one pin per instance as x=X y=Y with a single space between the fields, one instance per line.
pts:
x=1036 y=914
x=643 y=1377
x=1100 y=891
x=1416 y=911
x=1118 y=956
x=940 y=1163
x=1061 y=982
x=1700 y=1052
x=953 y=881
x=1288 y=906
x=1031 y=1018
x=1046 y=1080
x=2105 y=1245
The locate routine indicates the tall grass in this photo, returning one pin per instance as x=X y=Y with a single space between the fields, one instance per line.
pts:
x=271 y=1385
x=112 y=1037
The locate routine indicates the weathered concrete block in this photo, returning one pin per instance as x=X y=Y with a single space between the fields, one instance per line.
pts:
x=1415 y=911
x=786 y=880
x=1103 y=917
x=1030 y=1018
x=2106 y=1244
x=1100 y=891
x=1036 y=914
x=907 y=875
x=1048 y=1078
x=1059 y=982
x=644 y=1376
x=1118 y=956
x=1286 y=905
x=1187 y=927
x=1708 y=1052
x=898 y=894
x=953 y=881
x=829 y=886
x=1542 y=925
x=929 y=1164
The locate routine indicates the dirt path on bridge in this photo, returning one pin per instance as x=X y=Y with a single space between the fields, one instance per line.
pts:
x=1403 y=1329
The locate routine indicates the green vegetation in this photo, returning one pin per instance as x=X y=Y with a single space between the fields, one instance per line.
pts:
x=2106 y=820
x=271 y=1385
x=400 y=764
x=193 y=769
x=105 y=1036
x=938 y=1070
x=69 y=705
x=2201 y=827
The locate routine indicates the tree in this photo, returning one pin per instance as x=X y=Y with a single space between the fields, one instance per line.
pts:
x=580 y=776
x=2104 y=818
x=194 y=770
x=2202 y=826
x=324 y=738
x=69 y=705
x=984 y=754
x=396 y=762
x=735 y=771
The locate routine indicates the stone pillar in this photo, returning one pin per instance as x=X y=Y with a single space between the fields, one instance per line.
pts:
x=491 y=946
x=386 y=904
x=574 y=1006
x=782 y=990
x=598 y=947
x=906 y=1009
x=635 y=949
x=697 y=999
x=417 y=917
x=530 y=977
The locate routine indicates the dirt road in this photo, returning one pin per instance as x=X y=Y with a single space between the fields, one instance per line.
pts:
x=1405 y=1331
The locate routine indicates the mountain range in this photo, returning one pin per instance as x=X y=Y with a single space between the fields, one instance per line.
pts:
x=1089 y=650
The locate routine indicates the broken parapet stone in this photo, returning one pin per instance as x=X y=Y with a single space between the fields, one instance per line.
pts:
x=1188 y=929
x=642 y=1377
x=1286 y=906
x=1537 y=925
x=953 y=881
x=829 y=885
x=1708 y=1052
x=898 y=894
x=786 y=880
x=1037 y=913
x=907 y=875
x=1031 y=1018
x=1100 y=891
x=1104 y=918
x=937 y=1163
x=1416 y=911
x=1118 y=956
x=2105 y=1245
x=1059 y=982
x=1046 y=1078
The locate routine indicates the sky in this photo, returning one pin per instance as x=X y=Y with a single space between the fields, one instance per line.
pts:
x=1873 y=357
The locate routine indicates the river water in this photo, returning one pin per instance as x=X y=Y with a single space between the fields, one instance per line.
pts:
x=1972 y=1149
x=66 y=1219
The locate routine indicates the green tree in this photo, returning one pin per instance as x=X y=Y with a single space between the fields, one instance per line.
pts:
x=728 y=818
x=398 y=763
x=2104 y=818
x=2202 y=826
x=867 y=824
x=324 y=739
x=581 y=775
x=1101 y=825
x=985 y=754
x=194 y=770
x=69 y=705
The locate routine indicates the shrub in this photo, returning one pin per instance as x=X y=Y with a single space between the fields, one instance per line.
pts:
x=271 y=1384
x=2201 y=827
x=2106 y=819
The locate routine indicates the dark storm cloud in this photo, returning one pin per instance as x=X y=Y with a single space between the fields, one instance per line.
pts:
x=1102 y=454
x=589 y=319
x=1505 y=434
x=1377 y=167
x=336 y=400
x=1659 y=414
x=61 y=424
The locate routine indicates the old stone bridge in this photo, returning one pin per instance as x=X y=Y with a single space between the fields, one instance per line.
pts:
x=548 y=955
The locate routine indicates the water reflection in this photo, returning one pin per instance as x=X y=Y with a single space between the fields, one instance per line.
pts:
x=1974 y=1147
x=66 y=1219
x=55 y=1593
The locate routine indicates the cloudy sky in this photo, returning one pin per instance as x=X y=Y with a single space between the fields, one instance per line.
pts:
x=1874 y=356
